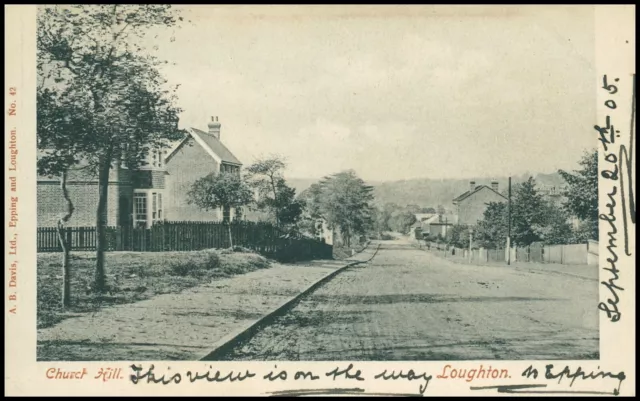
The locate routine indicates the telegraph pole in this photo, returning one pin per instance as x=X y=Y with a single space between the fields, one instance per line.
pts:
x=509 y=226
x=470 y=242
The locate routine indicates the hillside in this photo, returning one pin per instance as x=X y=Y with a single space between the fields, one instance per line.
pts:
x=427 y=192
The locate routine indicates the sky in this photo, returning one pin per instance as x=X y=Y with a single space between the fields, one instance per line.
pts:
x=392 y=92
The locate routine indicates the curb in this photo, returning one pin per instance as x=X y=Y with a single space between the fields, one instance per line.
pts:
x=249 y=330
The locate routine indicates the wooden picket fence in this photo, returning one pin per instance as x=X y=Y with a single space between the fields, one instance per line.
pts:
x=262 y=238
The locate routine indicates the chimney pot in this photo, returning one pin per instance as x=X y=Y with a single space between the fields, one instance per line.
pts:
x=214 y=127
x=472 y=185
x=494 y=185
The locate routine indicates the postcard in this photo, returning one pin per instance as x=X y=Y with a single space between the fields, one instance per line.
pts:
x=317 y=200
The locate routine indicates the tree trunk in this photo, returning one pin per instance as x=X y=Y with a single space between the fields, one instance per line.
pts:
x=230 y=236
x=101 y=223
x=275 y=200
x=65 y=244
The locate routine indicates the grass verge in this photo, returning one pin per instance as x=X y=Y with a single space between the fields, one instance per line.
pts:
x=132 y=277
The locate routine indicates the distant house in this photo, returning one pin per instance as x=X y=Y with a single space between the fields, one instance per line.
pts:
x=438 y=224
x=420 y=217
x=556 y=194
x=153 y=192
x=323 y=232
x=470 y=206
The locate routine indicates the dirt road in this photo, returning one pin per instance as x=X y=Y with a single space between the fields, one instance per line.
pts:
x=407 y=304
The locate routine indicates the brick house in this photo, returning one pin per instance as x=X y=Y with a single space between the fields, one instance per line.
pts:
x=472 y=204
x=151 y=193
x=197 y=155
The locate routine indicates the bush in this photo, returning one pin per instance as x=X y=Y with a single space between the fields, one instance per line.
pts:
x=182 y=269
x=260 y=262
x=212 y=261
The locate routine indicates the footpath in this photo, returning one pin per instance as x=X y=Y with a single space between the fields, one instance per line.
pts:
x=188 y=325
x=588 y=272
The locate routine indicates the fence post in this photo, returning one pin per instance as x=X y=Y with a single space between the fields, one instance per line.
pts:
x=118 y=238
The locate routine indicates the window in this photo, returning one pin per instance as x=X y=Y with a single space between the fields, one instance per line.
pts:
x=147 y=207
x=154 y=207
x=156 y=157
x=238 y=215
x=226 y=214
x=140 y=209
x=159 y=206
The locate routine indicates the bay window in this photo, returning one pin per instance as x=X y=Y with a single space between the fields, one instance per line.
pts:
x=147 y=207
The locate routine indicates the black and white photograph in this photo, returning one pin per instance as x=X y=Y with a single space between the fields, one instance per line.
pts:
x=219 y=187
x=319 y=200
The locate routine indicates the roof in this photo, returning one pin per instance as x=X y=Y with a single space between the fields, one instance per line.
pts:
x=478 y=188
x=431 y=219
x=423 y=216
x=211 y=144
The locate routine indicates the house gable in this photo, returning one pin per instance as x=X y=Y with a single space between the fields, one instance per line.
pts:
x=189 y=162
x=472 y=206
x=211 y=145
x=469 y=194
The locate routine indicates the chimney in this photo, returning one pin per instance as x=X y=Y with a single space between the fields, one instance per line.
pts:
x=214 y=127
x=472 y=186
x=494 y=185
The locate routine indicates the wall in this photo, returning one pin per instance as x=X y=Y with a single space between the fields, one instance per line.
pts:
x=52 y=206
x=436 y=229
x=147 y=179
x=189 y=163
x=83 y=191
x=471 y=209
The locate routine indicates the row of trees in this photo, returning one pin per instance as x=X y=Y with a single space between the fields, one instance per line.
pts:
x=535 y=218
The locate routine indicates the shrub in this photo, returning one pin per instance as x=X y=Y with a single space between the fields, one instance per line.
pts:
x=259 y=262
x=212 y=261
x=180 y=269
